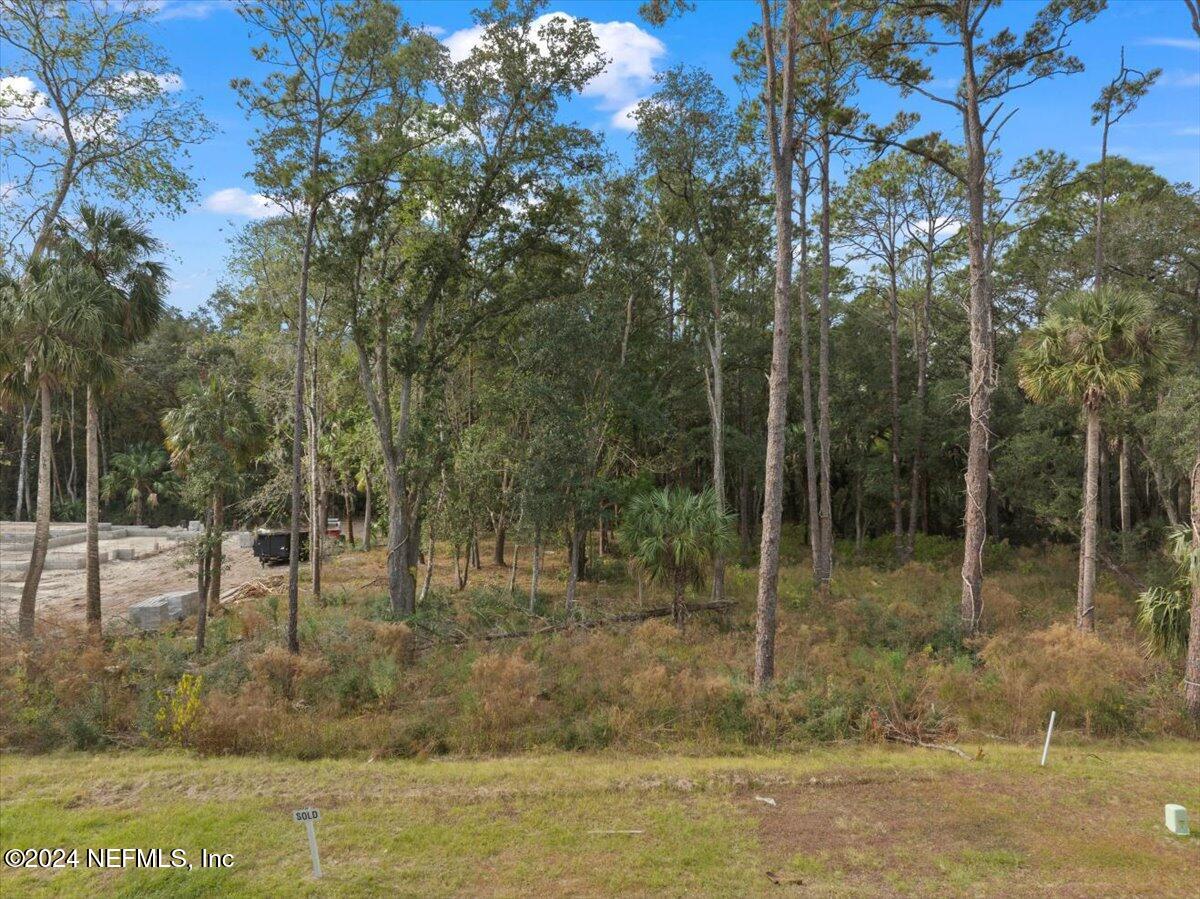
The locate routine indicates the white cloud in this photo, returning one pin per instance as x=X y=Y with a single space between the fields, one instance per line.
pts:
x=624 y=118
x=435 y=30
x=1178 y=43
x=235 y=201
x=630 y=52
x=138 y=82
x=186 y=9
x=1192 y=131
x=1180 y=79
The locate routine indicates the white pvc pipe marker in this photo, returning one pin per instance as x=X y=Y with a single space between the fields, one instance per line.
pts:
x=1049 y=731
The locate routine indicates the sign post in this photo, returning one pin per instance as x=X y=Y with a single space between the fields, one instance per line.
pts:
x=308 y=816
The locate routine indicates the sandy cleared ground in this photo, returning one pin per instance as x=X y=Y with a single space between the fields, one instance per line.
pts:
x=61 y=594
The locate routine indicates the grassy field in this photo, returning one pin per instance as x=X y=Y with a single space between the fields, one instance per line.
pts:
x=855 y=822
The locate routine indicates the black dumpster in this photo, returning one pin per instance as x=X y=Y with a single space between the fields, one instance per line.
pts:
x=276 y=546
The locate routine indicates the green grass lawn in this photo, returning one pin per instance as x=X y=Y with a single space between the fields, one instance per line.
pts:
x=846 y=822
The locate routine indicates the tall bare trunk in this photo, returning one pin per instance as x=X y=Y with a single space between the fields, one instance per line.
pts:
x=921 y=348
x=780 y=109
x=1191 y=670
x=900 y=545
x=367 y=512
x=23 y=465
x=293 y=626
x=536 y=568
x=203 y=577
x=428 y=564
x=71 y=448
x=810 y=453
x=498 y=550
x=316 y=492
x=825 y=513
x=41 y=530
x=92 y=499
x=1085 y=608
x=576 y=545
x=512 y=574
x=218 y=550
x=980 y=321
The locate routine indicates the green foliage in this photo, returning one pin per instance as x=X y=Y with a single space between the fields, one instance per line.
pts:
x=142 y=475
x=1094 y=347
x=672 y=534
x=1164 y=613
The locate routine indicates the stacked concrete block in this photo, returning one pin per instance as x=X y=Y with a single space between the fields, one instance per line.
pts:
x=158 y=611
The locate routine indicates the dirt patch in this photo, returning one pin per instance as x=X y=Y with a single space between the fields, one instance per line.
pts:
x=969 y=833
x=62 y=594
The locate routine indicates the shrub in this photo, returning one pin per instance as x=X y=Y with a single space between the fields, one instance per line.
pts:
x=505 y=692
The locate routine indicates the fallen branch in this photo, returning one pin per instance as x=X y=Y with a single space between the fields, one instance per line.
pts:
x=913 y=741
x=1121 y=574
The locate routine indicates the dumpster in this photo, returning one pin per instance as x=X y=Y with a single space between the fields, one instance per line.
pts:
x=276 y=545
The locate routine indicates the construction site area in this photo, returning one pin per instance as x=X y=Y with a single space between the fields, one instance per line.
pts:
x=137 y=564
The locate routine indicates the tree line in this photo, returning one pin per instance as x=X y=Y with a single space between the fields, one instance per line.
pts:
x=469 y=318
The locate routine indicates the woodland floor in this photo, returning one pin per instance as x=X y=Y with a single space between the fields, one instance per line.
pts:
x=846 y=821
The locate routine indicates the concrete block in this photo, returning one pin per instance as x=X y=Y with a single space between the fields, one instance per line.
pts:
x=182 y=603
x=149 y=614
x=195 y=527
x=245 y=540
x=1177 y=820
x=152 y=614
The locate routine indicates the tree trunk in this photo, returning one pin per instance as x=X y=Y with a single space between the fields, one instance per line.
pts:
x=512 y=575
x=1085 y=609
x=825 y=514
x=576 y=545
x=348 y=511
x=203 y=578
x=536 y=570
x=780 y=123
x=980 y=321
x=92 y=494
x=1162 y=490
x=71 y=449
x=218 y=550
x=23 y=465
x=293 y=626
x=901 y=546
x=1125 y=488
x=921 y=322
x=498 y=553
x=428 y=565
x=1191 y=675
x=41 y=531
x=366 y=544
x=679 y=600
x=401 y=583
x=1105 y=489
x=810 y=453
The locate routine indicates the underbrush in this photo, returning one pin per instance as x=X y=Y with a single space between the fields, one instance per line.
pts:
x=878 y=659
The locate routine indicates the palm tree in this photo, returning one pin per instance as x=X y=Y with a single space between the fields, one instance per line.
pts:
x=50 y=318
x=213 y=435
x=672 y=535
x=138 y=473
x=1093 y=348
x=114 y=251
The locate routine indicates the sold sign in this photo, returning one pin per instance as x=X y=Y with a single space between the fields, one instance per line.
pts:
x=308 y=816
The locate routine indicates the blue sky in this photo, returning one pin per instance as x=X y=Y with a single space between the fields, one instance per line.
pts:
x=210 y=45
